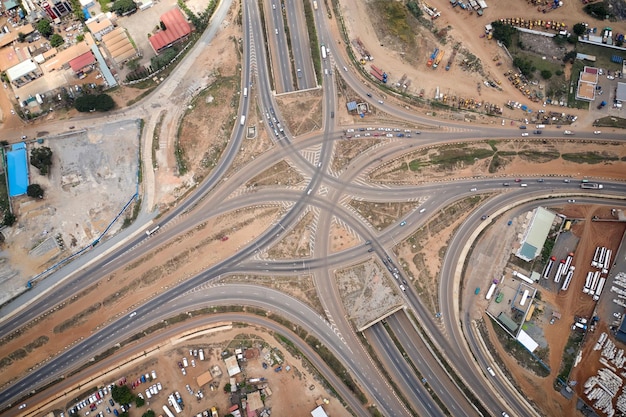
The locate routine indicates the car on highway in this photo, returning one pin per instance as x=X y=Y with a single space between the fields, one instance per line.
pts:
x=596 y=132
x=505 y=184
x=402 y=223
x=21 y=407
x=568 y=132
x=537 y=132
x=133 y=314
x=369 y=94
x=483 y=217
x=566 y=180
x=370 y=250
x=571 y=201
x=473 y=189
x=368 y=242
x=540 y=180
x=518 y=180
x=524 y=134
x=381 y=102
x=522 y=127
x=417 y=132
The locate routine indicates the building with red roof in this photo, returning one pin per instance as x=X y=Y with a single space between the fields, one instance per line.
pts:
x=176 y=30
x=80 y=62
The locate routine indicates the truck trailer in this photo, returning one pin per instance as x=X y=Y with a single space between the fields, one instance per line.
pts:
x=492 y=289
x=591 y=186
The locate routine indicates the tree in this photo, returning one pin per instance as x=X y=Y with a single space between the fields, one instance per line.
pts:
x=9 y=218
x=579 y=29
x=122 y=394
x=122 y=7
x=56 y=40
x=503 y=32
x=34 y=191
x=546 y=74
x=148 y=413
x=525 y=66
x=45 y=28
x=598 y=10
x=414 y=8
x=21 y=37
x=139 y=402
x=570 y=56
x=41 y=158
x=93 y=102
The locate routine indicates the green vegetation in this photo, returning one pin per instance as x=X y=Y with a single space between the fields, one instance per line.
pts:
x=579 y=29
x=449 y=157
x=414 y=8
x=56 y=40
x=396 y=16
x=313 y=42
x=611 y=121
x=569 y=354
x=546 y=74
x=122 y=394
x=123 y=7
x=94 y=102
x=140 y=402
x=577 y=67
x=45 y=28
x=34 y=191
x=503 y=32
x=41 y=158
x=600 y=10
x=148 y=413
x=589 y=157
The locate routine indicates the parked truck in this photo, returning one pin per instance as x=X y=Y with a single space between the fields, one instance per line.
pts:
x=167 y=411
x=438 y=58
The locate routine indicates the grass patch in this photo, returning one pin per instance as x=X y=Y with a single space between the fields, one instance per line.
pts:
x=603 y=55
x=577 y=67
x=539 y=157
x=569 y=354
x=589 y=157
x=414 y=165
x=450 y=157
x=313 y=43
x=608 y=121
x=397 y=23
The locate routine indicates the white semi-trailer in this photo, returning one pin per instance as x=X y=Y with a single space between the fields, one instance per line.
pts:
x=167 y=411
x=492 y=289
x=598 y=292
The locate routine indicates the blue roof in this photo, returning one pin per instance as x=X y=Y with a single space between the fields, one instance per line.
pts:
x=17 y=166
x=351 y=105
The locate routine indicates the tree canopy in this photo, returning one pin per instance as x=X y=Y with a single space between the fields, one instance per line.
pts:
x=56 y=40
x=579 y=29
x=503 y=32
x=122 y=395
x=93 y=102
x=45 y=28
x=41 y=158
x=122 y=7
x=35 y=191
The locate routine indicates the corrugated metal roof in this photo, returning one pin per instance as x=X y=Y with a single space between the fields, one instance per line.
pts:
x=176 y=27
x=536 y=234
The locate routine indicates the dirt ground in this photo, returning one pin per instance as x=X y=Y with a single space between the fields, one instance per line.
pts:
x=296 y=389
x=461 y=27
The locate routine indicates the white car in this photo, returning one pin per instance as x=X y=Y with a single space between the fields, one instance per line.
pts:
x=568 y=132
x=524 y=134
x=381 y=102
x=610 y=77
x=596 y=132
x=21 y=407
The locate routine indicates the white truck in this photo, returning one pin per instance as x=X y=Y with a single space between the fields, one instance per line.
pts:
x=243 y=120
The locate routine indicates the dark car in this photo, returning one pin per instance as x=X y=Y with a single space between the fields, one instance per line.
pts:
x=484 y=217
x=111 y=402
x=369 y=94
x=537 y=132
x=522 y=127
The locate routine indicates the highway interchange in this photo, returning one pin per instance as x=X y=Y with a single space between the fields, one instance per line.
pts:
x=324 y=192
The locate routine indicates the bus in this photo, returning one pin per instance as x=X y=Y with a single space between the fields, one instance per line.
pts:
x=323 y=52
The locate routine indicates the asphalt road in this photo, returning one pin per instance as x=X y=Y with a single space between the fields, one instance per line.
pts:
x=324 y=191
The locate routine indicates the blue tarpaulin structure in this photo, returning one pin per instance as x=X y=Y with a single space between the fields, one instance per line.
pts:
x=17 y=167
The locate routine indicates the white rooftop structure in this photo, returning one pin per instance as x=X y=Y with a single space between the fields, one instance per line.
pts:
x=21 y=69
x=319 y=412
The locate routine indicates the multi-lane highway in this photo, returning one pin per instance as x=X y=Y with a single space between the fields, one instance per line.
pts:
x=325 y=192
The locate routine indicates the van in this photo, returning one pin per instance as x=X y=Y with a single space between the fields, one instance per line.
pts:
x=523 y=185
x=491 y=372
x=540 y=126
